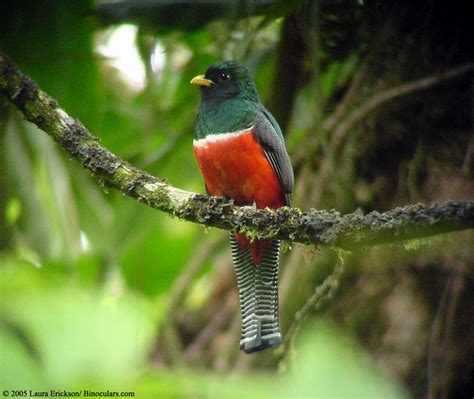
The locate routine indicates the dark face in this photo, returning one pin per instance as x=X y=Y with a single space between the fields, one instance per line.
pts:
x=224 y=80
x=224 y=83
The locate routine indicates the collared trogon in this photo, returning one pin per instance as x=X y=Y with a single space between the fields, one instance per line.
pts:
x=241 y=153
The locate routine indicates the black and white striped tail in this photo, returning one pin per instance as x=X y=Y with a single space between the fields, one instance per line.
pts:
x=258 y=294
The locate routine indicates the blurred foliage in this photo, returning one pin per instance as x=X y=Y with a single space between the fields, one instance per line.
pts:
x=64 y=336
x=164 y=15
x=98 y=291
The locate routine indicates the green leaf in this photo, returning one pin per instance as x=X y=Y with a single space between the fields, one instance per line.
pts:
x=330 y=364
x=20 y=368
x=94 y=336
x=13 y=210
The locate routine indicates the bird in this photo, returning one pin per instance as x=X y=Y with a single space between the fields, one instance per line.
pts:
x=241 y=152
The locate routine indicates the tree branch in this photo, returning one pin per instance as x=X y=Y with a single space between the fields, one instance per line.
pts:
x=312 y=227
x=383 y=97
x=322 y=292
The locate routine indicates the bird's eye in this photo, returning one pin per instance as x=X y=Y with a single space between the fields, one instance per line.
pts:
x=224 y=77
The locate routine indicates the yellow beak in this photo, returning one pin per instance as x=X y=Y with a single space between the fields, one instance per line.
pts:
x=200 y=80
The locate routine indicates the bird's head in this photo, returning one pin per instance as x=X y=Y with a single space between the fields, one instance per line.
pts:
x=224 y=80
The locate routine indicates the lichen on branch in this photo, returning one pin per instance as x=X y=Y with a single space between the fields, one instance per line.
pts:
x=311 y=227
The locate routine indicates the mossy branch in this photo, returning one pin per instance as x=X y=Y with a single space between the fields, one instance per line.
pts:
x=312 y=227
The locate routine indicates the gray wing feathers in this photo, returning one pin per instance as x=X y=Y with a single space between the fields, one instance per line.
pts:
x=275 y=152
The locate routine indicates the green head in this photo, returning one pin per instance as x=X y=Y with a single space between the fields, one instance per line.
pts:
x=226 y=80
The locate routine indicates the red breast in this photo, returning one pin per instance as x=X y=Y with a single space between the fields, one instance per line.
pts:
x=234 y=166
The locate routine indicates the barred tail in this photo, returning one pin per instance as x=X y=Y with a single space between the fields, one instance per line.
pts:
x=258 y=294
